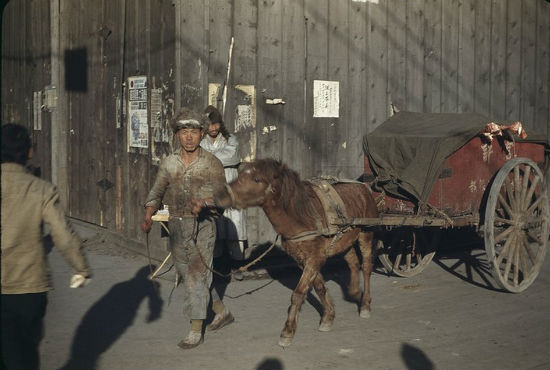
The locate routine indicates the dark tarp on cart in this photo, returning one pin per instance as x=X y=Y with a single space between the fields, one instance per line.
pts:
x=407 y=152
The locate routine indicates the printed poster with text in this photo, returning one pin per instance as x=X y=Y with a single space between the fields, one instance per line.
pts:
x=138 y=126
x=326 y=98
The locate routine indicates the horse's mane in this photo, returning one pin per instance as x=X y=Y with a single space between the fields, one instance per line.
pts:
x=293 y=195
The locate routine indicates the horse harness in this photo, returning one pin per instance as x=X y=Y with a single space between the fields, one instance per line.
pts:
x=334 y=209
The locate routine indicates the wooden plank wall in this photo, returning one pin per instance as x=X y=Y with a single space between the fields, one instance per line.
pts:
x=26 y=60
x=492 y=57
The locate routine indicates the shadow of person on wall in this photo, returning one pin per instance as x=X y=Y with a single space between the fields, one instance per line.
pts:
x=108 y=319
x=414 y=358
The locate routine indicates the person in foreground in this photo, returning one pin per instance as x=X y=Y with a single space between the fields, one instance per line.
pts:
x=187 y=174
x=29 y=203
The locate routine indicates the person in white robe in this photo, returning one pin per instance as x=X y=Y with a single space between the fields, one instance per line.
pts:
x=232 y=226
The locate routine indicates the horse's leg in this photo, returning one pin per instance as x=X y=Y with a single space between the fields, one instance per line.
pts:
x=354 y=290
x=328 y=306
x=365 y=245
x=298 y=296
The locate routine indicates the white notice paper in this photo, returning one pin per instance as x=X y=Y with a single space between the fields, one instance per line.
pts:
x=326 y=98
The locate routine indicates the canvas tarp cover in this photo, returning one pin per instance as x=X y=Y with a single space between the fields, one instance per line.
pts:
x=407 y=151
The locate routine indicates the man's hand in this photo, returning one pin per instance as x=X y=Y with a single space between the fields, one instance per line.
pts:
x=199 y=204
x=146 y=225
x=147 y=220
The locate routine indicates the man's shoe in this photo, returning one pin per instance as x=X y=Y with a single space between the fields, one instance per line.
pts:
x=192 y=340
x=221 y=320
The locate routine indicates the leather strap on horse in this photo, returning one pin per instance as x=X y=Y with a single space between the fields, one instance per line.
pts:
x=333 y=205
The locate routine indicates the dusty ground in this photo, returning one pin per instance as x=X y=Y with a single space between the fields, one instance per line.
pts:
x=448 y=317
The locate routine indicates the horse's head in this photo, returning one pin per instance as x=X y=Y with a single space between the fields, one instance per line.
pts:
x=258 y=182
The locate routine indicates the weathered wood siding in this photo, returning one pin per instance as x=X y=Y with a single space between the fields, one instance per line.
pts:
x=26 y=64
x=489 y=56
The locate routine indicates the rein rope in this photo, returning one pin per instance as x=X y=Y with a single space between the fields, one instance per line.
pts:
x=242 y=268
x=195 y=233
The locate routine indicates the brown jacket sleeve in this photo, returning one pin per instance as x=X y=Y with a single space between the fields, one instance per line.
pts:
x=64 y=237
x=156 y=193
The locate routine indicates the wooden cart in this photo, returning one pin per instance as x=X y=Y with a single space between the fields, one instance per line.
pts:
x=496 y=187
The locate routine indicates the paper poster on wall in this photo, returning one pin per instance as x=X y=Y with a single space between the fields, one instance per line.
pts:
x=326 y=98
x=138 y=126
x=213 y=92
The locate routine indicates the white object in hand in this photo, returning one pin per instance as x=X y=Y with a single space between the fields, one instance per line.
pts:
x=78 y=281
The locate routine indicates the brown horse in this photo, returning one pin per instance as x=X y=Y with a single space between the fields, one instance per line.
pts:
x=294 y=210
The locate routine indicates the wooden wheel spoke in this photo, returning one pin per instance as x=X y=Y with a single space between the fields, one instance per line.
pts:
x=523 y=260
x=509 y=256
x=397 y=261
x=408 y=261
x=527 y=247
x=510 y=193
x=505 y=205
x=503 y=235
x=517 y=187
x=504 y=221
x=535 y=205
x=531 y=190
x=526 y=174
x=535 y=237
x=516 y=263
x=504 y=250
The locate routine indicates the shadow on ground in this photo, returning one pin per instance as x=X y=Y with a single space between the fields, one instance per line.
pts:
x=110 y=316
x=414 y=358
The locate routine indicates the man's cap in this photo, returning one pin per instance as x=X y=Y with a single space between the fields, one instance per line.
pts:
x=187 y=118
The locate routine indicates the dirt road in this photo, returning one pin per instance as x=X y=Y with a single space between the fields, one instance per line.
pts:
x=446 y=318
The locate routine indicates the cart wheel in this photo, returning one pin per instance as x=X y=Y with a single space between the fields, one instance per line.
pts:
x=407 y=252
x=516 y=224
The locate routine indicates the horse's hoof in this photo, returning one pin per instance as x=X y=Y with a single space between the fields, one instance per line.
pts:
x=325 y=326
x=365 y=314
x=285 y=342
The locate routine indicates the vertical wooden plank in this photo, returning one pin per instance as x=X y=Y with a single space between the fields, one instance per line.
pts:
x=294 y=136
x=482 y=102
x=415 y=56
x=219 y=40
x=466 y=62
x=432 y=56
x=397 y=52
x=70 y=30
x=161 y=71
x=498 y=59
x=111 y=54
x=335 y=147
x=357 y=91
x=266 y=62
x=243 y=85
x=378 y=68
x=191 y=36
x=528 y=61
x=316 y=14
x=269 y=124
x=141 y=176
x=513 y=61
x=44 y=66
x=542 y=96
x=449 y=56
